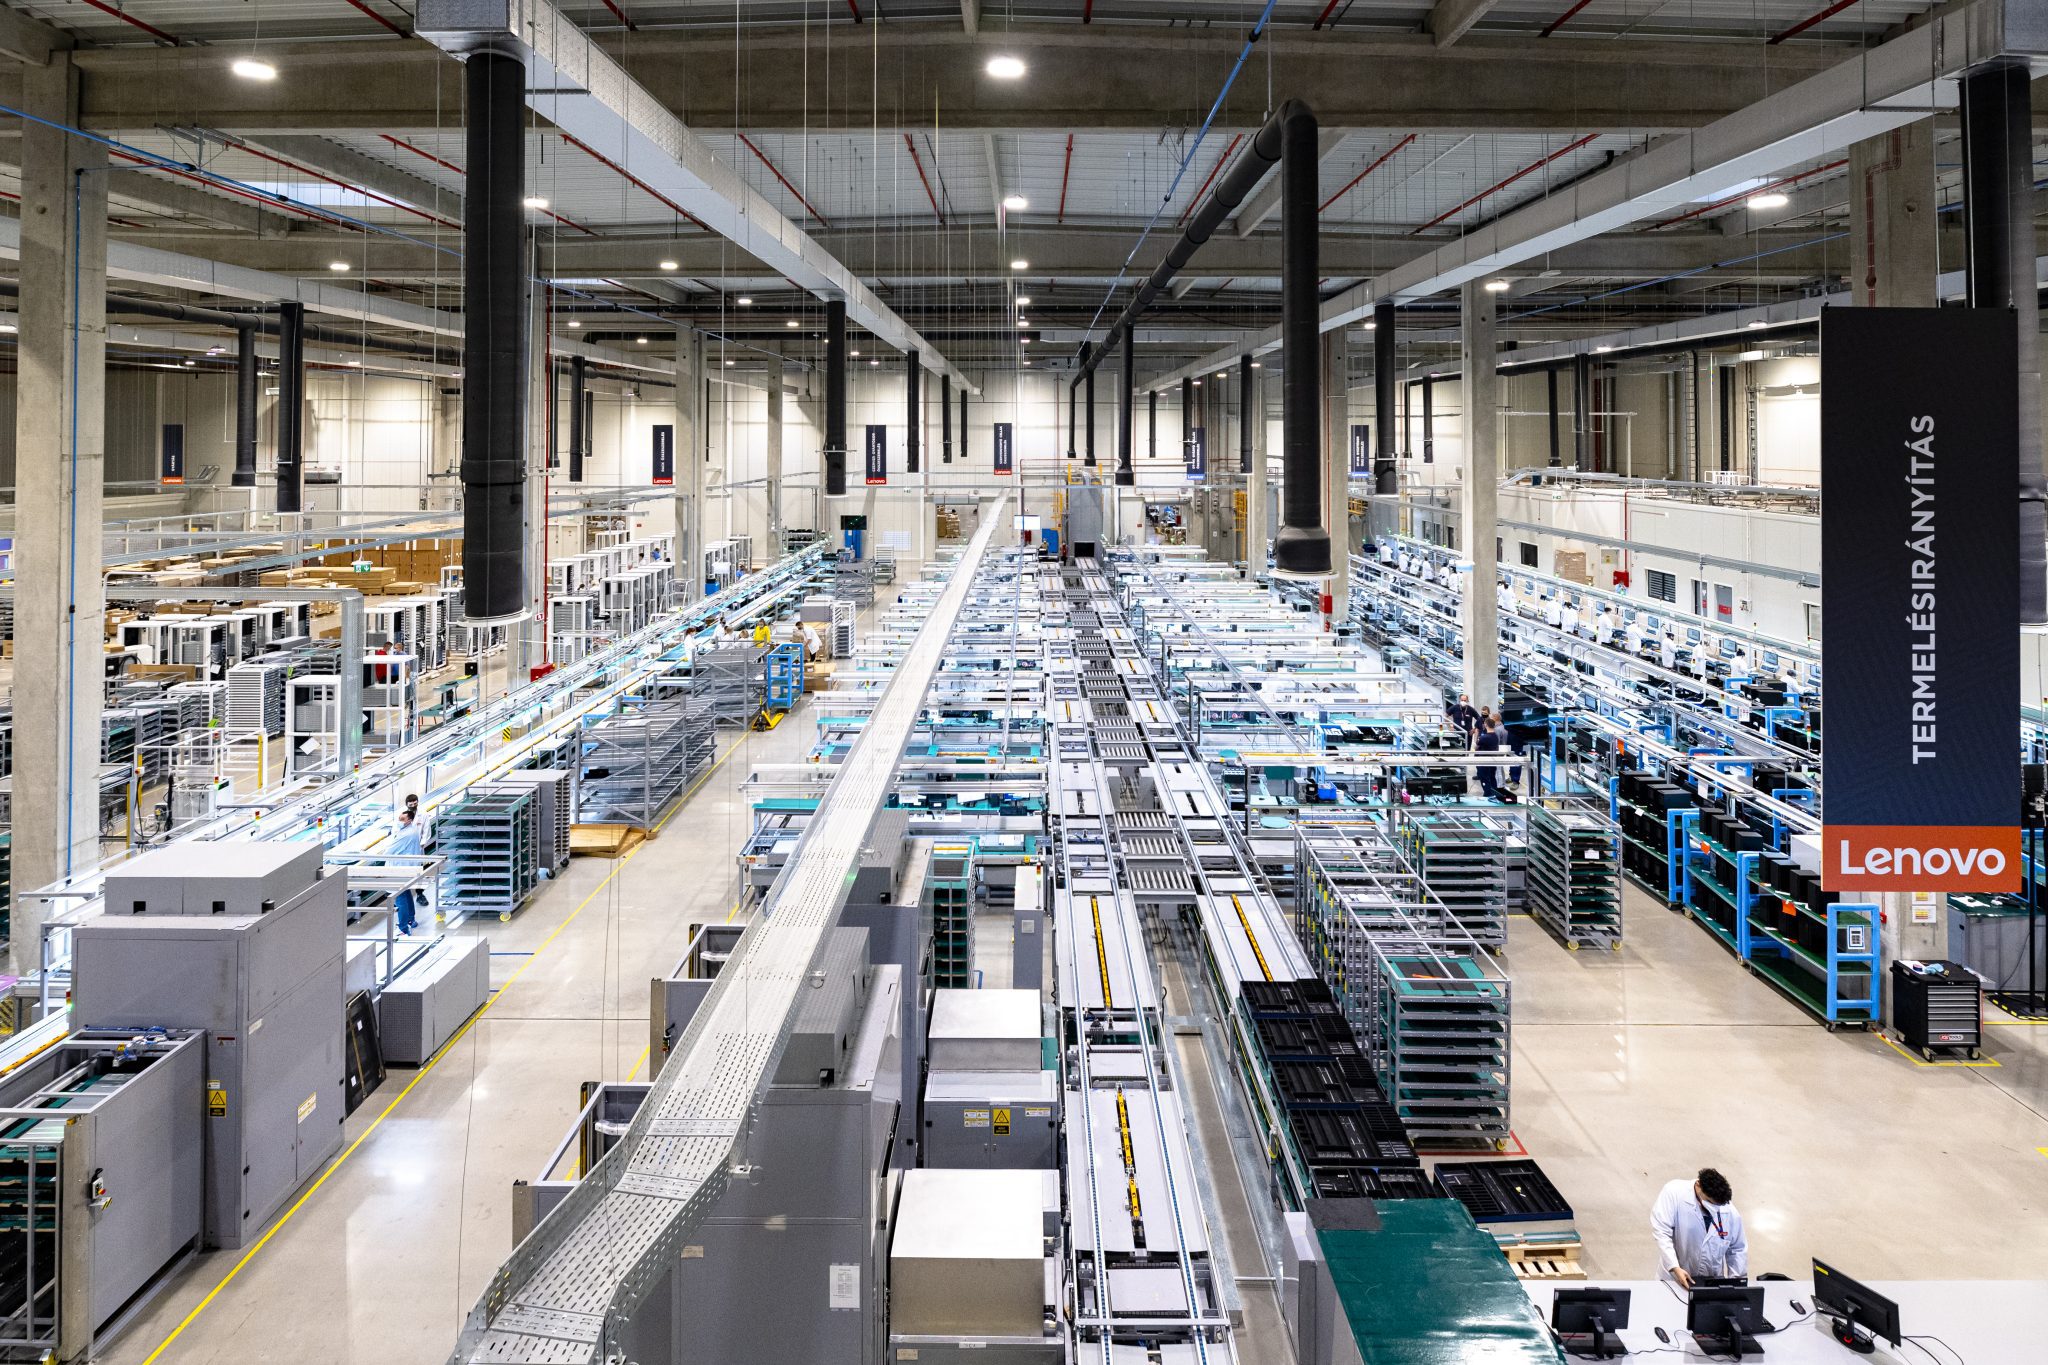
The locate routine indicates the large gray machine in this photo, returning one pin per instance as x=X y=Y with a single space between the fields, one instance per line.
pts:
x=243 y=941
x=101 y=1139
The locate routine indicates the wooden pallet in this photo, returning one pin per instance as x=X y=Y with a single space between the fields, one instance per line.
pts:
x=1546 y=1260
x=604 y=841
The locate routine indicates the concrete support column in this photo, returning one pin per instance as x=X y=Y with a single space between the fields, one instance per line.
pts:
x=59 y=434
x=1256 y=533
x=691 y=432
x=1336 y=357
x=528 y=645
x=1892 y=219
x=774 y=458
x=1479 y=496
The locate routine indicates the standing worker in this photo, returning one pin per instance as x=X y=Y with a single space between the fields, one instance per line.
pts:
x=1491 y=740
x=1699 y=1233
x=1464 y=718
x=405 y=844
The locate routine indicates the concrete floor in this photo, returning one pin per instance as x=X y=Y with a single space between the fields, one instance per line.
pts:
x=1630 y=1068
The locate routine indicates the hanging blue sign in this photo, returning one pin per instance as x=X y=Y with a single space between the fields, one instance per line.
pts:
x=878 y=453
x=1361 y=450
x=664 y=456
x=173 y=453
x=1005 y=447
x=1198 y=453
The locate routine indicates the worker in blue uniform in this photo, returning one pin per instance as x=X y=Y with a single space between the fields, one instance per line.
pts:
x=405 y=843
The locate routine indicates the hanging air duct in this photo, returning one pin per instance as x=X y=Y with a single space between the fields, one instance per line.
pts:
x=245 y=407
x=914 y=417
x=494 y=342
x=1244 y=414
x=945 y=418
x=1385 y=479
x=1302 y=548
x=835 y=398
x=1126 y=476
x=1089 y=440
x=579 y=427
x=291 y=404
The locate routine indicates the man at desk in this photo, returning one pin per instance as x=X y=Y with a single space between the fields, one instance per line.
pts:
x=1699 y=1233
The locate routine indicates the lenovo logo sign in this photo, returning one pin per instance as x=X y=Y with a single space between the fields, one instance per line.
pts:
x=1921 y=858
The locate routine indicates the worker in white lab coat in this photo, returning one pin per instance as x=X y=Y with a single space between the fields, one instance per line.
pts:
x=1699 y=1233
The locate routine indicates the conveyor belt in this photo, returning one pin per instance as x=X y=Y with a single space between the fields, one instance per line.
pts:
x=565 y=1291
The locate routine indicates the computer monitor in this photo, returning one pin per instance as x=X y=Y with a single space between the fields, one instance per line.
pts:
x=1852 y=1306
x=1724 y=1319
x=1593 y=1313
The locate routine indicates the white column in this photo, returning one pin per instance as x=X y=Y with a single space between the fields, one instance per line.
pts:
x=60 y=470
x=690 y=436
x=1479 y=497
x=773 y=549
x=1337 y=470
x=527 y=643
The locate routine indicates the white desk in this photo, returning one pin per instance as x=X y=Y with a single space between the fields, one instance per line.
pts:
x=1985 y=1322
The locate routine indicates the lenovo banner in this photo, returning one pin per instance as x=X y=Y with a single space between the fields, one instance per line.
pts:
x=878 y=453
x=1919 y=592
x=1006 y=453
x=1198 y=453
x=173 y=469
x=1361 y=451
x=664 y=456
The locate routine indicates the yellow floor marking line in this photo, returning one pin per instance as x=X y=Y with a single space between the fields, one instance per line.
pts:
x=639 y=1062
x=421 y=1074
x=1916 y=1061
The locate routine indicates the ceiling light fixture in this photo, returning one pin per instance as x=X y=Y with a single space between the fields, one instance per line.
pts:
x=639 y=341
x=1016 y=203
x=730 y=363
x=574 y=323
x=855 y=354
x=1771 y=200
x=744 y=301
x=874 y=362
x=8 y=327
x=667 y=265
x=250 y=69
x=534 y=201
x=1496 y=286
x=1602 y=350
x=1023 y=302
x=1370 y=324
x=1257 y=366
x=1750 y=355
x=1757 y=324
x=1020 y=265
x=1005 y=68
x=337 y=266
x=790 y=323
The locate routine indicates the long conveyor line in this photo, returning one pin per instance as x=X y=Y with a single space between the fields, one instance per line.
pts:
x=565 y=1293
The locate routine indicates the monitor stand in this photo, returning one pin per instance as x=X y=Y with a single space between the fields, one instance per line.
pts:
x=1852 y=1336
x=1730 y=1343
x=1599 y=1346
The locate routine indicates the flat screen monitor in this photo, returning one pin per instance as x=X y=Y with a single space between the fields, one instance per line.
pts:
x=1728 y=1315
x=1853 y=1305
x=1594 y=1314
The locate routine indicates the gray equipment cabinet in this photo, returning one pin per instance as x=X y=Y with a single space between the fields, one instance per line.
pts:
x=993 y=1119
x=244 y=941
x=102 y=1152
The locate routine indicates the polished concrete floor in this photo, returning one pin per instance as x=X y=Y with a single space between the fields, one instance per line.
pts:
x=1630 y=1068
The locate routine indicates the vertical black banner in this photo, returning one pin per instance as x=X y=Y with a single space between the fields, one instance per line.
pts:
x=173 y=468
x=1198 y=454
x=1361 y=450
x=664 y=456
x=1919 y=582
x=1006 y=453
x=878 y=453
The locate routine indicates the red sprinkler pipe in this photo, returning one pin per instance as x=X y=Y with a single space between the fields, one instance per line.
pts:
x=785 y=179
x=918 y=162
x=1497 y=188
x=1560 y=21
x=1378 y=162
x=1065 y=169
x=358 y=4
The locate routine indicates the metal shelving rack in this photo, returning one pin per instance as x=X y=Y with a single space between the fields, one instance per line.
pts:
x=1575 y=877
x=492 y=842
x=729 y=676
x=552 y=788
x=634 y=764
x=949 y=899
x=1463 y=859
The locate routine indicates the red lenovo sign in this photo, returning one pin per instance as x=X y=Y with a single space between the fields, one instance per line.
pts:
x=1921 y=858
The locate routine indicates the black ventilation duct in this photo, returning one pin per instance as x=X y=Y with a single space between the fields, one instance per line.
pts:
x=1152 y=424
x=245 y=407
x=963 y=422
x=1088 y=441
x=494 y=341
x=1244 y=414
x=1302 y=549
x=291 y=404
x=1385 y=479
x=1187 y=421
x=835 y=398
x=914 y=418
x=1073 y=417
x=1125 y=476
x=945 y=418
x=579 y=428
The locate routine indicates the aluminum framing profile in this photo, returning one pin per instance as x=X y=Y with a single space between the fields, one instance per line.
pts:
x=570 y=1285
x=1896 y=83
x=575 y=85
